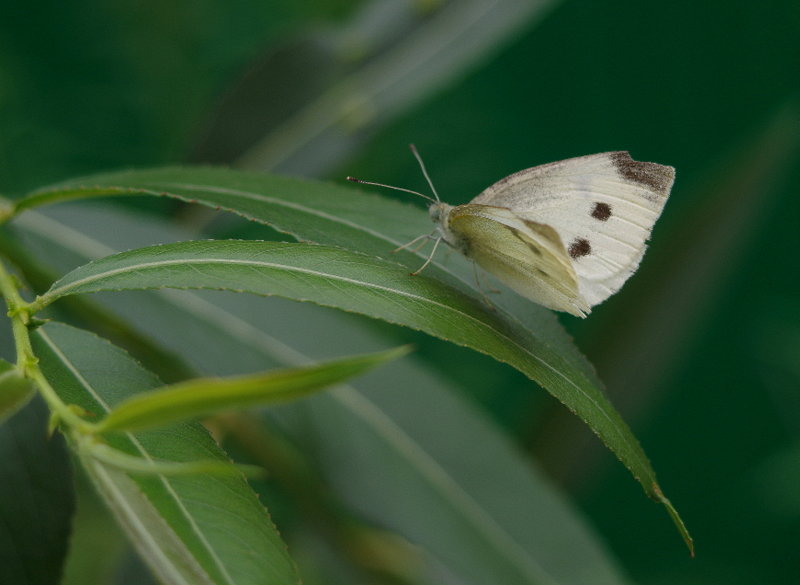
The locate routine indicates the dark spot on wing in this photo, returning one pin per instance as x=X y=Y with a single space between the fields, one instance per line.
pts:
x=601 y=211
x=580 y=247
x=657 y=178
x=542 y=273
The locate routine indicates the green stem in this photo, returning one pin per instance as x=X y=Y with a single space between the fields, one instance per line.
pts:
x=37 y=304
x=20 y=313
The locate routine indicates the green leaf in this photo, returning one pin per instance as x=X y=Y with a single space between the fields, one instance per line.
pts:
x=204 y=396
x=36 y=499
x=371 y=286
x=194 y=529
x=15 y=391
x=133 y=464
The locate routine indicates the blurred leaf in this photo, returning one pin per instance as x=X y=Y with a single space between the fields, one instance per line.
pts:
x=182 y=526
x=15 y=391
x=36 y=499
x=373 y=69
x=204 y=396
x=97 y=543
x=126 y=82
x=422 y=461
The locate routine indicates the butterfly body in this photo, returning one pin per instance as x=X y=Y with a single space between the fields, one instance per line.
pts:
x=566 y=235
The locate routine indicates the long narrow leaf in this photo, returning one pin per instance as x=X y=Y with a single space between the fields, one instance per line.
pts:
x=203 y=396
x=359 y=283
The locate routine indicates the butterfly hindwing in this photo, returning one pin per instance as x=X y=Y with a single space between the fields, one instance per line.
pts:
x=602 y=207
x=527 y=256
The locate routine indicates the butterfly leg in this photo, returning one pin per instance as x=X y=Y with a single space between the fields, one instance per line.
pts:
x=423 y=237
x=428 y=261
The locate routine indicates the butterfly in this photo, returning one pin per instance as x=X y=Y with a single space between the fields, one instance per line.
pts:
x=566 y=235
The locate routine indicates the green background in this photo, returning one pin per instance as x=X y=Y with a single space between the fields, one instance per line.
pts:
x=699 y=351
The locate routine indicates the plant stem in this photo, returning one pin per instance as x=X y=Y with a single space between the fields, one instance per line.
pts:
x=19 y=311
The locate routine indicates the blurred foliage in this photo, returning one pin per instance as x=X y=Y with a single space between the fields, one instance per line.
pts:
x=96 y=85
x=699 y=351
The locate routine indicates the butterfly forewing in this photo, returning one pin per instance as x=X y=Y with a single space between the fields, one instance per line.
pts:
x=602 y=207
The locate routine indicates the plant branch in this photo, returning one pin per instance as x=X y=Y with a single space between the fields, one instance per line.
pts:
x=19 y=311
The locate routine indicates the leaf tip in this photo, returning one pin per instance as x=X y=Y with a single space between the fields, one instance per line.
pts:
x=676 y=518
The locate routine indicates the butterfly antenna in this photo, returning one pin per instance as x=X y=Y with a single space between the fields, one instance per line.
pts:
x=354 y=180
x=424 y=170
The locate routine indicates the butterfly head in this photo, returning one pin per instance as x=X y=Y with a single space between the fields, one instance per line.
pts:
x=438 y=211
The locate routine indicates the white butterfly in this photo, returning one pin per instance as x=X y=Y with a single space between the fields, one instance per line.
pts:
x=566 y=235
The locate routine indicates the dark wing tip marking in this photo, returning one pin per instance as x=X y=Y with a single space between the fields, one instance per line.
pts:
x=601 y=211
x=580 y=247
x=656 y=177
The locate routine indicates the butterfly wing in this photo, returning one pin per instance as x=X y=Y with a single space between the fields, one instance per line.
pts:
x=602 y=207
x=526 y=255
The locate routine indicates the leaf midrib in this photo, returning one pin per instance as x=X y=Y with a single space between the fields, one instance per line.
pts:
x=281 y=203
